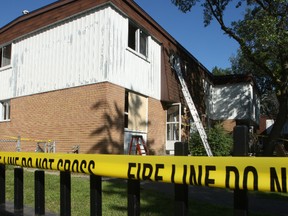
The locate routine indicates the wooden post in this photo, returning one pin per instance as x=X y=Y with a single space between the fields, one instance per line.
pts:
x=65 y=193
x=2 y=184
x=95 y=195
x=39 y=190
x=240 y=148
x=133 y=197
x=181 y=190
x=18 y=190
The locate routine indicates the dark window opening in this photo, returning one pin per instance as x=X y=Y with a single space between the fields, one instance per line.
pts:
x=132 y=36
x=126 y=110
x=5 y=55
x=143 y=43
x=137 y=39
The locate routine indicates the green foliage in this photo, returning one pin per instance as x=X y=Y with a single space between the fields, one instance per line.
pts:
x=219 y=140
x=262 y=34
x=216 y=71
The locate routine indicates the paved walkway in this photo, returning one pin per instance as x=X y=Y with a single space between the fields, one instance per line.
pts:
x=8 y=210
x=258 y=203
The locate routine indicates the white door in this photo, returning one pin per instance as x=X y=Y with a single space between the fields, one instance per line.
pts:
x=173 y=126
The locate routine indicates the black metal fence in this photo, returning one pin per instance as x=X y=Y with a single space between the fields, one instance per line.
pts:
x=133 y=195
x=133 y=187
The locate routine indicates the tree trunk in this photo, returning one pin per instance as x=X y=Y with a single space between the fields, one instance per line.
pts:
x=275 y=133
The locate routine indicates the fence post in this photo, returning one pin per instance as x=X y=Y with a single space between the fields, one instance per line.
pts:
x=240 y=148
x=2 y=185
x=18 y=145
x=39 y=191
x=18 y=190
x=181 y=190
x=95 y=195
x=65 y=193
x=54 y=147
x=133 y=197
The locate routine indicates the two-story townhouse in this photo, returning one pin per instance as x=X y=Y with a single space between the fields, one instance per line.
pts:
x=93 y=73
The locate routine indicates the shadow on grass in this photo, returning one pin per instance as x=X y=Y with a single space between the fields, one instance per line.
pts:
x=154 y=202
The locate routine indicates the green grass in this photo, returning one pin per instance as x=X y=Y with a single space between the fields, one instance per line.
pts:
x=114 y=197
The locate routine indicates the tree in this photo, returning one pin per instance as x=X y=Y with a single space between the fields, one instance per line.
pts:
x=263 y=38
x=216 y=71
x=269 y=102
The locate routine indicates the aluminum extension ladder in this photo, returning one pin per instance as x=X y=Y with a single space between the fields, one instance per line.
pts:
x=175 y=61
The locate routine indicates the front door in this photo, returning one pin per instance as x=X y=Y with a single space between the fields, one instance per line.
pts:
x=173 y=127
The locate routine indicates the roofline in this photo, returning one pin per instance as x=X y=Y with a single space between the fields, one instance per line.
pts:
x=34 y=13
x=156 y=25
x=235 y=78
x=132 y=4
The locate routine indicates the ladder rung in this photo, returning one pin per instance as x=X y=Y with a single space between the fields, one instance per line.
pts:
x=192 y=108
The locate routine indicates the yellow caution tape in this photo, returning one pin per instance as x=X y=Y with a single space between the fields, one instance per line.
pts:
x=262 y=174
x=27 y=139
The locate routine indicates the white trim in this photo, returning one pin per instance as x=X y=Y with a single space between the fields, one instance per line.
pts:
x=138 y=54
x=11 y=54
x=170 y=143
x=7 y=67
x=5 y=105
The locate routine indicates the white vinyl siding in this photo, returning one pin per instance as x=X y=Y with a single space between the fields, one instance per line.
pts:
x=86 y=49
x=234 y=101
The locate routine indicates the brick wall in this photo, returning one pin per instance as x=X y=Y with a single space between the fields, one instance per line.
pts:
x=156 y=127
x=89 y=116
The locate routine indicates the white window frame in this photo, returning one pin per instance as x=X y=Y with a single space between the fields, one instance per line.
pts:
x=5 y=110
x=2 y=52
x=170 y=142
x=136 y=45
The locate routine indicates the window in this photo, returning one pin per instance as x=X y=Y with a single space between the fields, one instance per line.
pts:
x=4 y=110
x=5 y=55
x=173 y=123
x=135 y=115
x=173 y=126
x=137 y=39
x=126 y=109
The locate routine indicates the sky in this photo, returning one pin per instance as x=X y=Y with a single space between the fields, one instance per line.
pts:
x=208 y=44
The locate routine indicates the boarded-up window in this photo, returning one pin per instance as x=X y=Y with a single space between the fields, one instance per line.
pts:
x=136 y=115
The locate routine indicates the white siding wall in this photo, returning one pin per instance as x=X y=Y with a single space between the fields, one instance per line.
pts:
x=85 y=49
x=234 y=101
x=6 y=83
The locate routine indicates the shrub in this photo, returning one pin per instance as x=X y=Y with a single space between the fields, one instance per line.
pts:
x=219 y=141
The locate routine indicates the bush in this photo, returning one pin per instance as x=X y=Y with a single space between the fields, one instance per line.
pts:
x=219 y=141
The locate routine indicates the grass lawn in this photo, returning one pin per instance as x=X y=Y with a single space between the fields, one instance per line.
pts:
x=114 y=197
